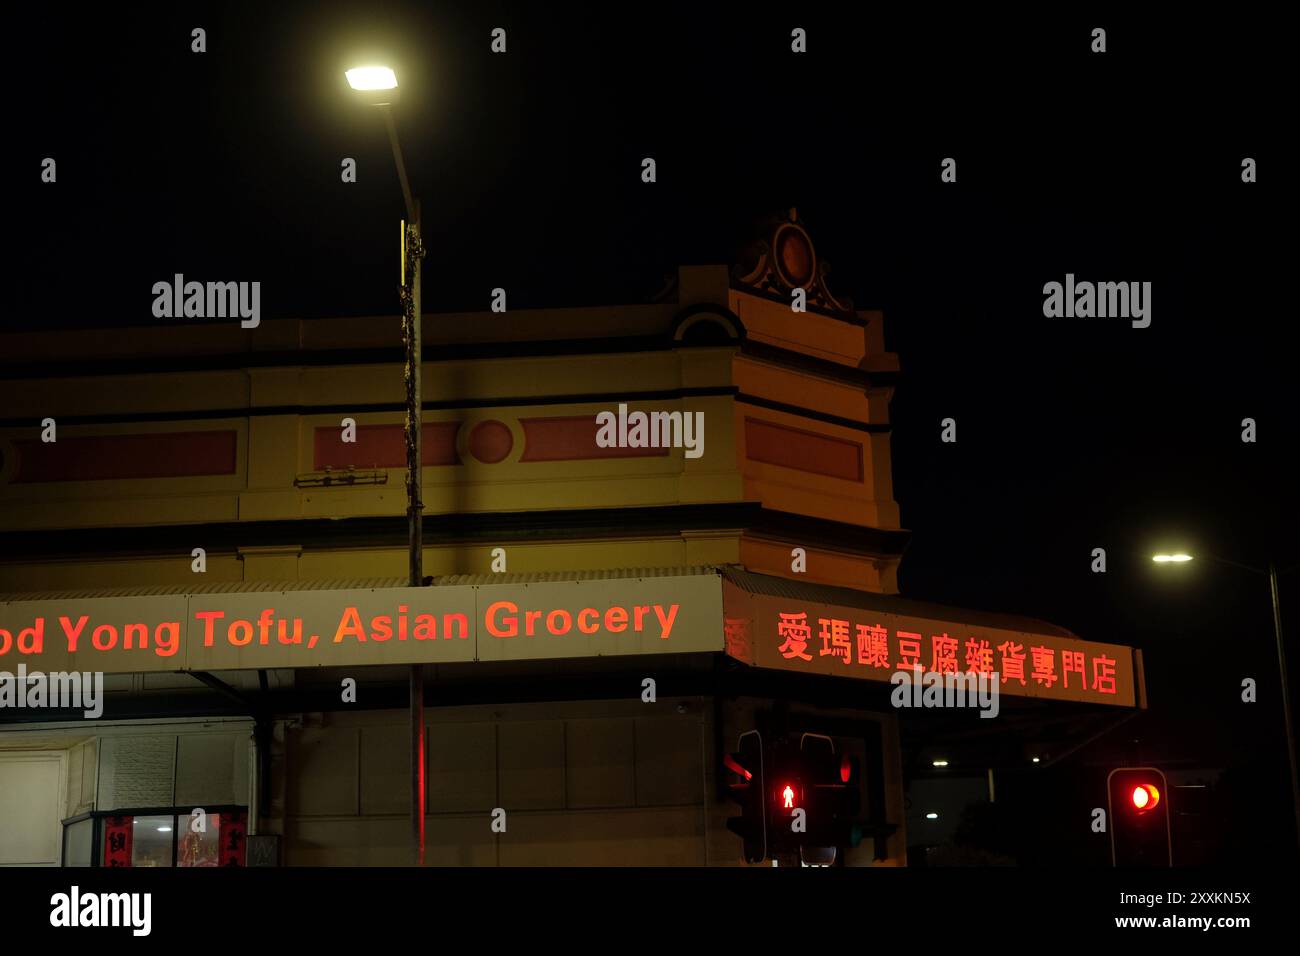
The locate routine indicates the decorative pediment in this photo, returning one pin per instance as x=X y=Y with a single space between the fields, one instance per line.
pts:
x=782 y=259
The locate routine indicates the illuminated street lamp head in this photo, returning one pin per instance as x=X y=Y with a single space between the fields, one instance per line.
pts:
x=371 y=78
x=375 y=85
x=1171 y=558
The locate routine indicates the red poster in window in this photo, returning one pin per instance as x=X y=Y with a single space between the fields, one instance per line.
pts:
x=234 y=827
x=117 y=840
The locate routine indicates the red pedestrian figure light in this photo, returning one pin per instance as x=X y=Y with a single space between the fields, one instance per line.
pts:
x=788 y=793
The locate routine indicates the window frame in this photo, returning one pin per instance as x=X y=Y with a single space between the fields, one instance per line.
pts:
x=97 y=854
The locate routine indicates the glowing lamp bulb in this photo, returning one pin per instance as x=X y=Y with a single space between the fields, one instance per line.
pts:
x=1145 y=797
x=788 y=794
x=371 y=78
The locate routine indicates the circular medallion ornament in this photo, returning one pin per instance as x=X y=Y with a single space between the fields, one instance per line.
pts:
x=796 y=262
x=491 y=441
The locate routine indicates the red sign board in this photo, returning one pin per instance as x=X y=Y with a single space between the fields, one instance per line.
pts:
x=798 y=635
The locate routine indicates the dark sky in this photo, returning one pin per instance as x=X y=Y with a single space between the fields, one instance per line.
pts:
x=1072 y=434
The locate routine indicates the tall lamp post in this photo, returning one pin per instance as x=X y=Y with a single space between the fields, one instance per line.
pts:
x=377 y=85
x=1271 y=573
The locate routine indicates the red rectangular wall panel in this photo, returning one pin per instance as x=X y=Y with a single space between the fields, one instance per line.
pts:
x=106 y=457
x=807 y=451
x=572 y=438
x=384 y=446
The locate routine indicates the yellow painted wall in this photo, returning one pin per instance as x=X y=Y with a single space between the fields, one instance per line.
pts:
x=273 y=451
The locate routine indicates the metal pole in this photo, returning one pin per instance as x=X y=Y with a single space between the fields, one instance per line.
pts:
x=411 y=322
x=412 y=208
x=1286 y=697
x=414 y=400
x=412 y=255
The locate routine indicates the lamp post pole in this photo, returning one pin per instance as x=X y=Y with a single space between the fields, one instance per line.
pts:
x=1272 y=574
x=414 y=511
x=1286 y=696
x=412 y=254
x=378 y=86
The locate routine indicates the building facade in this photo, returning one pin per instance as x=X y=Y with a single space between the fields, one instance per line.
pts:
x=611 y=598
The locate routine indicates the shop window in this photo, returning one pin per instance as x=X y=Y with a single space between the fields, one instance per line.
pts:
x=151 y=839
x=168 y=837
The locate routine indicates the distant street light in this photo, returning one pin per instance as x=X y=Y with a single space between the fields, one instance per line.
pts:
x=377 y=86
x=1271 y=573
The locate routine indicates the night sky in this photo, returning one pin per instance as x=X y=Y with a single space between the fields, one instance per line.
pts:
x=1072 y=434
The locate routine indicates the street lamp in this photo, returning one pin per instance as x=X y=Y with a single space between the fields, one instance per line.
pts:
x=1271 y=573
x=377 y=86
x=368 y=78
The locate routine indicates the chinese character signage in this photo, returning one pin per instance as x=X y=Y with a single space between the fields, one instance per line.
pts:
x=793 y=634
x=117 y=840
x=233 y=833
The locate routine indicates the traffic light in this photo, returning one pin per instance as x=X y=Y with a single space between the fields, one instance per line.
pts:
x=798 y=797
x=1139 y=817
x=850 y=801
x=834 y=801
x=748 y=788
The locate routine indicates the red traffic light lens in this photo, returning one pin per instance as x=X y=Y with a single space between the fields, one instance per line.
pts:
x=787 y=797
x=1145 y=797
x=734 y=766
